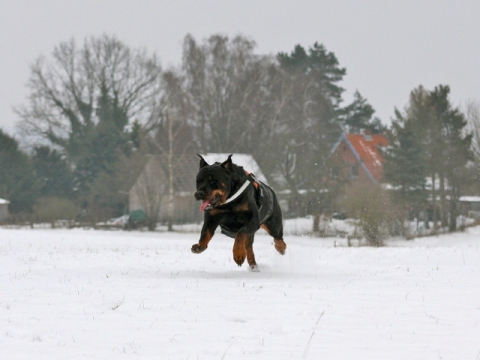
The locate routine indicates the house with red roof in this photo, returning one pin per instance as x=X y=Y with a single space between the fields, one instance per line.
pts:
x=357 y=158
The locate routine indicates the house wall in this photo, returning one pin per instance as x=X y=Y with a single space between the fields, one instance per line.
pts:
x=148 y=188
x=186 y=210
x=344 y=157
x=151 y=190
x=3 y=212
x=470 y=209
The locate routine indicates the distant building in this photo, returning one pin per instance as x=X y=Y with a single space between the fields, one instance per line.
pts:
x=150 y=190
x=357 y=157
x=470 y=206
x=4 y=210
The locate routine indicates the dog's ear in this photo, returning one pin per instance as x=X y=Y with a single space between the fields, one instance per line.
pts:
x=227 y=165
x=202 y=161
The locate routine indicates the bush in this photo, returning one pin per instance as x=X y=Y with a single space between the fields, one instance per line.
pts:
x=371 y=205
x=53 y=209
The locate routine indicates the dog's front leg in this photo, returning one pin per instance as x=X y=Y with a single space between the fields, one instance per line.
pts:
x=208 y=229
x=202 y=245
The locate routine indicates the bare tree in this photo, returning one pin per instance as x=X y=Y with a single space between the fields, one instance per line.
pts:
x=65 y=91
x=472 y=112
x=228 y=85
x=172 y=137
x=150 y=191
x=244 y=102
x=81 y=100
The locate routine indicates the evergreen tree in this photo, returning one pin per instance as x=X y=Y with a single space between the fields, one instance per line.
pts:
x=405 y=166
x=99 y=145
x=18 y=182
x=82 y=98
x=456 y=150
x=322 y=68
x=358 y=116
x=309 y=118
x=435 y=146
x=53 y=173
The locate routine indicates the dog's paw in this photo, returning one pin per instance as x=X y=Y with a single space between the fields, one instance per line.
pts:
x=239 y=252
x=239 y=257
x=280 y=246
x=197 y=249
x=254 y=268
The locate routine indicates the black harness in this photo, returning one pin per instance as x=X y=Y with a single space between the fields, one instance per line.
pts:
x=263 y=200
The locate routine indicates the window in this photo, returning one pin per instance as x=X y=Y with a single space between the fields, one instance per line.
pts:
x=354 y=171
x=334 y=172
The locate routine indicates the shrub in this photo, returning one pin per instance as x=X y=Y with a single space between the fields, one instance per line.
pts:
x=52 y=209
x=371 y=205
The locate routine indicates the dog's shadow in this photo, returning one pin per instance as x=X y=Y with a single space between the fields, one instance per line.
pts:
x=241 y=274
x=263 y=271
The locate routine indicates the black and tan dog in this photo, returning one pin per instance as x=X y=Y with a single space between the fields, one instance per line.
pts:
x=240 y=204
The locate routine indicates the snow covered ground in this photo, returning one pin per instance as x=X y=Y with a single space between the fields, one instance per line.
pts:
x=85 y=294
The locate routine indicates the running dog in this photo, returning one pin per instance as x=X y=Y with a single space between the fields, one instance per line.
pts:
x=234 y=199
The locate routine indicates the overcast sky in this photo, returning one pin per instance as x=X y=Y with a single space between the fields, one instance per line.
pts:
x=387 y=47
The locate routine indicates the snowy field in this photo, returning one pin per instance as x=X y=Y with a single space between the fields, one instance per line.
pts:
x=84 y=294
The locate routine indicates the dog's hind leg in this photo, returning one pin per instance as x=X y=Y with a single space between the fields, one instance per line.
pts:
x=250 y=255
x=280 y=245
x=239 y=248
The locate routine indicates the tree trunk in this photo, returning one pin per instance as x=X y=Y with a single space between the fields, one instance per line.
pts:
x=316 y=222
x=434 y=205
x=403 y=213
x=443 y=202
x=453 y=210
x=171 y=204
x=171 y=191
x=425 y=218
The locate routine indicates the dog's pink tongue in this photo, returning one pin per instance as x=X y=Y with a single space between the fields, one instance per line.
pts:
x=204 y=205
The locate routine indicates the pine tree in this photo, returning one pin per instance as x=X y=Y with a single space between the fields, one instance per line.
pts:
x=434 y=146
x=405 y=166
x=310 y=114
x=322 y=68
x=18 y=182
x=456 y=151
x=53 y=172
x=359 y=115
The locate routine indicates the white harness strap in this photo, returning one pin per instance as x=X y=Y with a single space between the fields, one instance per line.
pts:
x=238 y=193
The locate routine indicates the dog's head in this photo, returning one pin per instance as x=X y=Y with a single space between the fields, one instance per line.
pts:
x=213 y=183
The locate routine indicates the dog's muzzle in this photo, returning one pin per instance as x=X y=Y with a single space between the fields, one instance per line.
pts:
x=199 y=194
x=207 y=204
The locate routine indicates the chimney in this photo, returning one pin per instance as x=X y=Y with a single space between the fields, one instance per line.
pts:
x=367 y=134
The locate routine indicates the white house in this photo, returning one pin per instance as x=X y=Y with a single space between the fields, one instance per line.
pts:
x=4 y=209
x=470 y=206
x=245 y=160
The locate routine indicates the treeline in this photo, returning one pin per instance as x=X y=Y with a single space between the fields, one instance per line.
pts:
x=432 y=159
x=433 y=156
x=96 y=109
x=94 y=106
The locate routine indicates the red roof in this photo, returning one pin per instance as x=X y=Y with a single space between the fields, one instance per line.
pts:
x=366 y=147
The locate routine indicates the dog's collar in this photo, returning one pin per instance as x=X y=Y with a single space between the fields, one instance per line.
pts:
x=238 y=193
